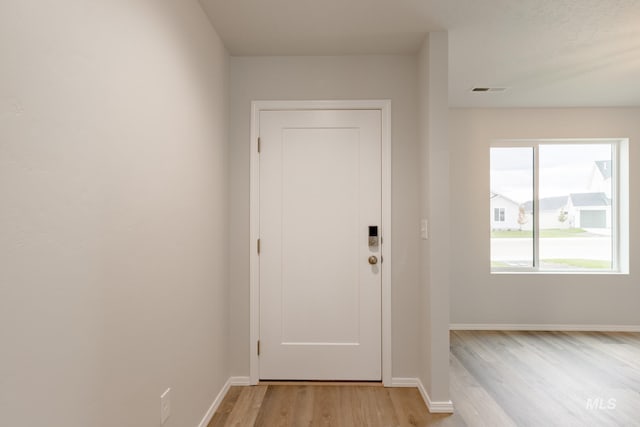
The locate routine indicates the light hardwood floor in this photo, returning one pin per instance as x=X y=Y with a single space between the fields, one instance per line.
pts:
x=324 y=405
x=546 y=378
x=497 y=379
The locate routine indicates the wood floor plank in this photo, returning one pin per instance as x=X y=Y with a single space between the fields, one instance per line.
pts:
x=303 y=414
x=226 y=407
x=379 y=407
x=326 y=406
x=472 y=402
x=247 y=407
x=357 y=399
x=278 y=406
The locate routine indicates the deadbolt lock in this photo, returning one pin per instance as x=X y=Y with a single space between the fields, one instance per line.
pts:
x=373 y=235
x=373 y=260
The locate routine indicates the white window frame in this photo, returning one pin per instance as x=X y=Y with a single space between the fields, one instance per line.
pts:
x=619 y=205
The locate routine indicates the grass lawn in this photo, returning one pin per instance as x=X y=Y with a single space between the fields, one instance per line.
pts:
x=498 y=264
x=559 y=263
x=579 y=263
x=551 y=232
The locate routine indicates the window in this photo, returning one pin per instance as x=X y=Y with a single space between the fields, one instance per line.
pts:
x=556 y=206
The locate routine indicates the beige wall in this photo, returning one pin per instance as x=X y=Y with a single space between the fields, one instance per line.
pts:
x=113 y=219
x=435 y=204
x=344 y=77
x=479 y=297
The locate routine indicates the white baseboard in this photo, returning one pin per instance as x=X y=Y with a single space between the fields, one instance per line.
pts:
x=240 y=381
x=404 y=382
x=435 y=407
x=541 y=327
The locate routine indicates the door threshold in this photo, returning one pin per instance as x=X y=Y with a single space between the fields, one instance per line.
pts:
x=322 y=383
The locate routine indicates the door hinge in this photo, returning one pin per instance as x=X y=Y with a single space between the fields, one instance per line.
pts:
x=258 y=144
x=258 y=347
x=258 y=246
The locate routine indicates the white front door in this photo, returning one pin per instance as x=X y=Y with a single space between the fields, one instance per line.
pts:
x=320 y=199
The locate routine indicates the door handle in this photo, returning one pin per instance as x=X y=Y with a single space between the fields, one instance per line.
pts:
x=373 y=260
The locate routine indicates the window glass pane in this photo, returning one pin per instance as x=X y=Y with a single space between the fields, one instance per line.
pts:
x=575 y=206
x=511 y=220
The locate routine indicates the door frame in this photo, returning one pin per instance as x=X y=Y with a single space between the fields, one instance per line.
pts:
x=384 y=106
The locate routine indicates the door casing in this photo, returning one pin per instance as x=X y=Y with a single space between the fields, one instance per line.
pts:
x=384 y=106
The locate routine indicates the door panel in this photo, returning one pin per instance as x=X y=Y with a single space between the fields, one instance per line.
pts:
x=309 y=224
x=320 y=189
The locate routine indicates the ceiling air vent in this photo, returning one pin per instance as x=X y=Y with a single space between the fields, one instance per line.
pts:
x=488 y=89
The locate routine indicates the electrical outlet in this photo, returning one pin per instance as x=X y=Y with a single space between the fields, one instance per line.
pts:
x=165 y=406
x=424 y=229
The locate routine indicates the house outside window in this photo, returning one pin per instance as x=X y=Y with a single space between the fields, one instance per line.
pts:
x=559 y=206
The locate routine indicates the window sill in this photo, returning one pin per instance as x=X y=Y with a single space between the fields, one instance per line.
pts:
x=563 y=273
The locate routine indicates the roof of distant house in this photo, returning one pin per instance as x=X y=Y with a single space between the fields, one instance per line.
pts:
x=493 y=195
x=548 y=204
x=590 y=199
x=604 y=166
x=577 y=199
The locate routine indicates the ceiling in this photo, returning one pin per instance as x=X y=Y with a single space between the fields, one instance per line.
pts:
x=548 y=53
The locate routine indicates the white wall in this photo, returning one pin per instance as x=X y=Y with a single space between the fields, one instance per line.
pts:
x=343 y=77
x=113 y=212
x=434 y=206
x=479 y=297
